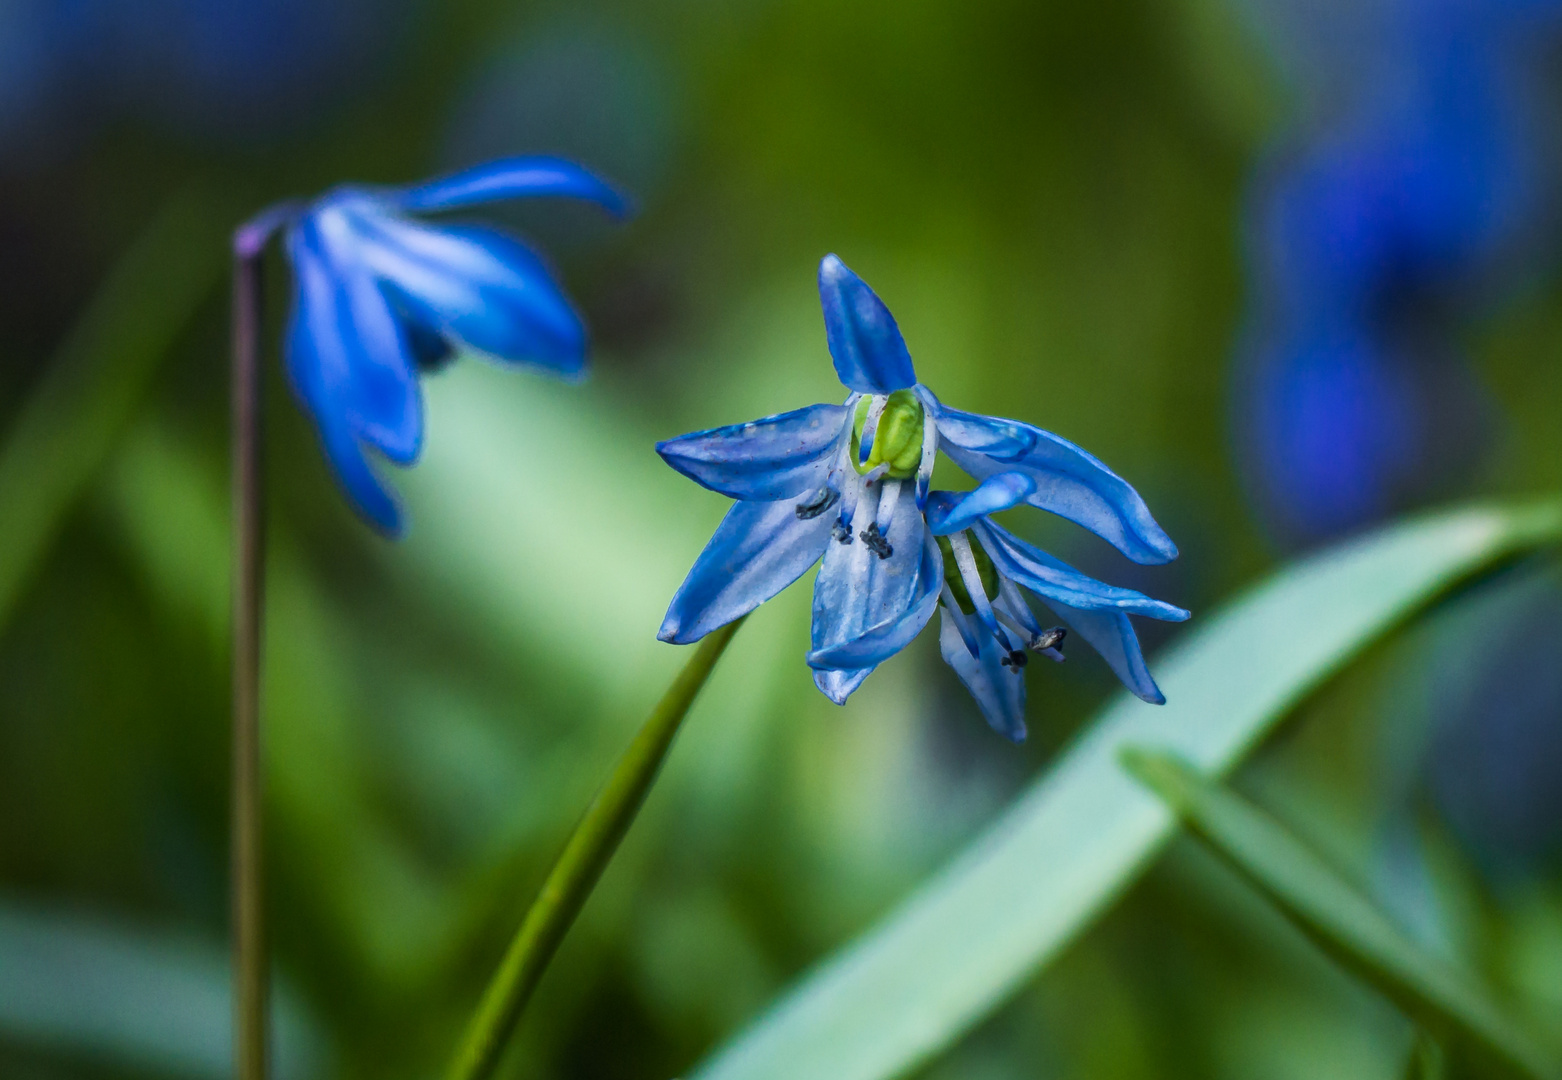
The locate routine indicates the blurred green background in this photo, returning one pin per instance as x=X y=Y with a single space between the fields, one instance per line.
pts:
x=1048 y=197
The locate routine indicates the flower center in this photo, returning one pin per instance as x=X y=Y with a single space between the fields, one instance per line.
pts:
x=894 y=437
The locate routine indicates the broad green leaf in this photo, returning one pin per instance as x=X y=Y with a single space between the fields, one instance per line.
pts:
x=90 y=391
x=1447 y=1002
x=1036 y=878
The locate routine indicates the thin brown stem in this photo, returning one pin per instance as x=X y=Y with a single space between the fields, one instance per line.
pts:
x=250 y=974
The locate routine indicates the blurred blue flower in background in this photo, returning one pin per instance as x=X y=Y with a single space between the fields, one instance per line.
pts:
x=231 y=71
x=380 y=298
x=1419 y=183
x=837 y=473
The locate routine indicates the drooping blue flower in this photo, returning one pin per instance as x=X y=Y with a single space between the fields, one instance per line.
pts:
x=986 y=625
x=380 y=297
x=1420 y=177
x=830 y=482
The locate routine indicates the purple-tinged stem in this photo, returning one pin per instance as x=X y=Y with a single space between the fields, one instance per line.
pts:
x=250 y=972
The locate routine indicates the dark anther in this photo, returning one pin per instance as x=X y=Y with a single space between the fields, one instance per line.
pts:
x=842 y=531
x=1049 y=639
x=818 y=503
x=876 y=542
x=1015 y=659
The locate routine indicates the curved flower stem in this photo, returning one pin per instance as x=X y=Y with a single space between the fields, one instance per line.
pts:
x=585 y=856
x=250 y=977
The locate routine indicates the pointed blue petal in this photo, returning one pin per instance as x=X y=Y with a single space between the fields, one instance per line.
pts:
x=856 y=590
x=840 y=685
x=870 y=355
x=367 y=493
x=999 y=691
x=1054 y=580
x=479 y=287
x=510 y=178
x=345 y=332
x=884 y=640
x=1112 y=635
x=758 y=549
x=778 y=457
x=342 y=449
x=949 y=511
x=1069 y=482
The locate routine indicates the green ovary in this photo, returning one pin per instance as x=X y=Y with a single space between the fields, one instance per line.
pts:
x=898 y=439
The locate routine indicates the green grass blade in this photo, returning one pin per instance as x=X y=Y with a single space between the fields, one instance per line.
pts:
x=1344 y=923
x=86 y=398
x=1038 y=876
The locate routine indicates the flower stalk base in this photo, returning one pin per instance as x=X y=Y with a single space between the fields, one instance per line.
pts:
x=578 y=868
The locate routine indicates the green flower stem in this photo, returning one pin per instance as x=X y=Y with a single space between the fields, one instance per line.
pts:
x=585 y=856
x=1451 y=1006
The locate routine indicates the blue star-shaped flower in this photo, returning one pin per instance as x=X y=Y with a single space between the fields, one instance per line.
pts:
x=829 y=481
x=380 y=297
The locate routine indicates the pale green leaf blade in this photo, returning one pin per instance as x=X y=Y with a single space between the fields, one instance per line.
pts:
x=97 y=989
x=1025 y=888
x=1339 y=918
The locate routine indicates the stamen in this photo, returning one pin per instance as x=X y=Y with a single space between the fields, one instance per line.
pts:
x=1017 y=608
x=842 y=530
x=961 y=546
x=1012 y=623
x=929 y=452
x=952 y=609
x=870 y=427
x=1049 y=639
x=876 y=542
x=817 y=503
x=1014 y=659
x=888 y=498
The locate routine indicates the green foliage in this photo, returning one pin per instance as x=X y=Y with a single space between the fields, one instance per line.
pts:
x=1344 y=923
x=580 y=865
x=99 y=377
x=1071 y=845
x=1048 y=196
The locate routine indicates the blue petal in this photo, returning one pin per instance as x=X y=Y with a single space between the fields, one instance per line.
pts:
x=883 y=641
x=778 y=457
x=840 y=685
x=999 y=691
x=1112 y=635
x=343 y=450
x=364 y=489
x=1069 y=482
x=478 y=286
x=1053 y=579
x=949 y=511
x=759 y=549
x=857 y=591
x=510 y=178
x=346 y=342
x=870 y=355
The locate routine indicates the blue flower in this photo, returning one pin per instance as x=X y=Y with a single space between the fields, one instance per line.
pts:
x=1421 y=177
x=986 y=625
x=831 y=482
x=380 y=297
